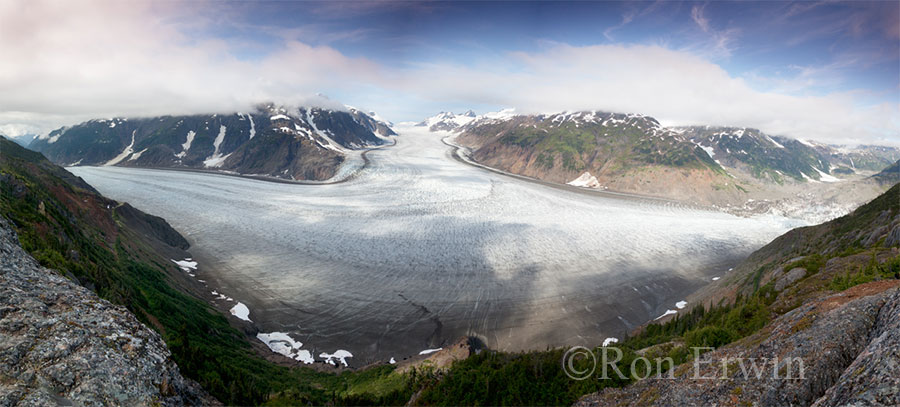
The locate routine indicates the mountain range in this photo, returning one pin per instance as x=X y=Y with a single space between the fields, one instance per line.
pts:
x=276 y=141
x=727 y=167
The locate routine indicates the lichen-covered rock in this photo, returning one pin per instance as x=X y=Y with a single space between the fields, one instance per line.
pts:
x=874 y=377
x=62 y=345
x=893 y=238
x=849 y=345
x=792 y=276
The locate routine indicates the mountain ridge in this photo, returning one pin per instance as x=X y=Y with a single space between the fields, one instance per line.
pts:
x=288 y=143
x=739 y=170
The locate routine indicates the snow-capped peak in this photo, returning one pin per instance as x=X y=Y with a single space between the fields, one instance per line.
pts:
x=448 y=121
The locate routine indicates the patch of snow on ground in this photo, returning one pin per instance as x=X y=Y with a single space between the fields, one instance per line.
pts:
x=252 y=126
x=665 y=314
x=220 y=296
x=681 y=304
x=429 y=351
x=586 y=180
x=340 y=354
x=216 y=161
x=186 y=264
x=241 y=311
x=282 y=343
x=716 y=278
x=608 y=341
x=279 y=117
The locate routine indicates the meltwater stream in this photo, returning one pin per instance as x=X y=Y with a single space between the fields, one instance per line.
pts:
x=420 y=249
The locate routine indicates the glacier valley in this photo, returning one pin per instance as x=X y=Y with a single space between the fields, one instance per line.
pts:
x=419 y=248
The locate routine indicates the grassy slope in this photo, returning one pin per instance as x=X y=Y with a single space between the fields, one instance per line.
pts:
x=587 y=147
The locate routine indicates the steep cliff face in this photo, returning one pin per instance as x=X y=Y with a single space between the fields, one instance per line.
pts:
x=889 y=175
x=60 y=344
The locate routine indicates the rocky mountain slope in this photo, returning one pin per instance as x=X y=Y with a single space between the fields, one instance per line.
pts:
x=721 y=166
x=826 y=294
x=835 y=351
x=889 y=175
x=62 y=345
x=289 y=143
x=777 y=159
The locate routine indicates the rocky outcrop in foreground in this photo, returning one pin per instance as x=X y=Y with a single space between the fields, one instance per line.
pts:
x=60 y=344
x=849 y=344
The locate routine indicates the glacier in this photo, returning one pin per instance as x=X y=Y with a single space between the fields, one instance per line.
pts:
x=419 y=248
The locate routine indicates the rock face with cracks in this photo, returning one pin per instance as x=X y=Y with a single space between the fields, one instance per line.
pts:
x=60 y=344
x=847 y=342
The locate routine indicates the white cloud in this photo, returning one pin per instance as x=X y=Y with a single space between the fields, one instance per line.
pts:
x=64 y=62
x=699 y=18
x=676 y=87
x=69 y=61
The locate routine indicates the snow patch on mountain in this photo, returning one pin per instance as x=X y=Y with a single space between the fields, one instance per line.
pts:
x=124 y=154
x=340 y=354
x=187 y=264
x=241 y=312
x=665 y=314
x=709 y=150
x=282 y=343
x=329 y=143
x=136 y=155
x=826 y=177
x=774 y=142
x=216 y=159
x=585 y=180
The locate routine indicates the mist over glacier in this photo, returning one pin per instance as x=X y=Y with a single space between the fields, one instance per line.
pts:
x=419 y=249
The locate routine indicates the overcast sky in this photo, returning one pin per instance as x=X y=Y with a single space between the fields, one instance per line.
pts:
x=822 y=71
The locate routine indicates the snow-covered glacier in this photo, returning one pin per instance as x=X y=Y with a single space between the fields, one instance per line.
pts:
x=420 y=248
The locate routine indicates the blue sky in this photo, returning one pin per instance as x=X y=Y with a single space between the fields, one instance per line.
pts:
x=832 y=46
x=817 y=70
